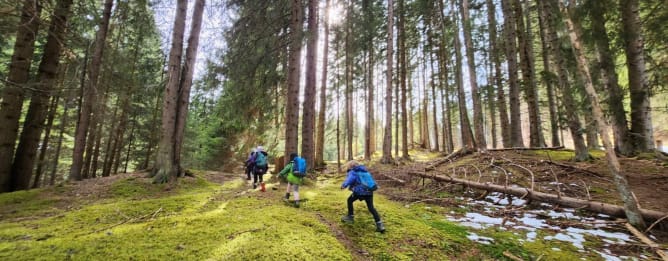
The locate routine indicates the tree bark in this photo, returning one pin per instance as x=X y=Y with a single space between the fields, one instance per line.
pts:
x=641 y=117
x=619 y=122
x=513 y=81
x=90 y=93
x=41 y=161
x=465 y=126
x=320 y=130
x=185 y=82
x=401 y=31
x=13 y=93
x=387 y=139
x=527 y=64
x=165 y=168
x=631 y=208
x=63 y=123
x=547 y=9
x=473 y=78
x=294 y=65
x=548 y=78
x=24 y=160
x=308 y=113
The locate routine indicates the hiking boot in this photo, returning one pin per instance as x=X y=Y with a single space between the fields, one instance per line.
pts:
x=287 y=196
x=348 y=219
x=254 y=185
x=380 y=227
x=297 y=203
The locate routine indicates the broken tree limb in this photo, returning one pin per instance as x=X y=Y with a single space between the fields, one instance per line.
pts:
x=566 y=166
x=528 y=148
x=598 y=207
x=402 y=182
x=436 y=163
x=654 y=246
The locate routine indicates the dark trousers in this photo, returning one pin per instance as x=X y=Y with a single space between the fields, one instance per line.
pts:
x=249 y=169
x=369 y=204
x=257 y=173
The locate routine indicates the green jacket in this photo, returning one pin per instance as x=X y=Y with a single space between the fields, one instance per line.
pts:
x=287 y=173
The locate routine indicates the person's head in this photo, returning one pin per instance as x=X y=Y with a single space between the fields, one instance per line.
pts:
x=293 y=156
x=350 y=164
x=259 y=148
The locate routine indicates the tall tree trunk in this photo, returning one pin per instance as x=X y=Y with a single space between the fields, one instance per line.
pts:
x=424 y=119
x=465 y=126
x=641 y=118
x=63 y=123
x=443 y=74
x=13 y=93
x=548 y=78
x=491 y=102
x=387 y=139
x=165 y=168
x=473 y=81
x=630 y=203
x=294 y=65
x=547 y=11
x=623 y=143
x=308 y=120
x=349 y=83
x=590 y=128
x=185 y=82
x=513 y=81
x=402 y=80
x=498 y=81
x=525 y=40
x=41 y=161
x=320 y=132
x=90 y=92
x=132 y=139
x=24 y=160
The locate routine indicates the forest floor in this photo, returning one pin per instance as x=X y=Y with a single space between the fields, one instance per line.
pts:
x=218 y=216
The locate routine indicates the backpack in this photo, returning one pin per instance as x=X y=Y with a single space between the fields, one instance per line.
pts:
x=260 y=159
x=366 y=180
x=299 y=167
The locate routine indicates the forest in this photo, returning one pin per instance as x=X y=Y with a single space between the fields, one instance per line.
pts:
x=161 y=101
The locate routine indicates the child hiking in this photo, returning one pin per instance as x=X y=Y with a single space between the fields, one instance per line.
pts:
x=294 y=176
x=260 y=166
x=250 y=164
x=360 y=182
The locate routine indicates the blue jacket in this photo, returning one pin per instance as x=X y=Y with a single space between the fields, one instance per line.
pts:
x=353 y=183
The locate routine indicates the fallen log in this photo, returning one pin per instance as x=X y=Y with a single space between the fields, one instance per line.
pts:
x=528 y=148
x=598 y=207
x=434 y=164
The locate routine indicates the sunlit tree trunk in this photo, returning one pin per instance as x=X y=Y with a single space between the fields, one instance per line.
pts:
x=320 y=129
x=90 y=92
x=165 y=168
x=24 y=160
x=641 y=118
x=473 y=78
x=308 y=120
x=292 y=99
x=630 y=203
x=185 y=83
x=402 y=64
x=443 y=74
x=513 y=81
x=13 y=93
x=387 y=139
x=41 y=161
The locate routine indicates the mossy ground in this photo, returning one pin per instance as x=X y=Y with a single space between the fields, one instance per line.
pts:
x=196 y=219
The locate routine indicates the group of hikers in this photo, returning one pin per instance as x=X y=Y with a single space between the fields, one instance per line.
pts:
x=358 y=180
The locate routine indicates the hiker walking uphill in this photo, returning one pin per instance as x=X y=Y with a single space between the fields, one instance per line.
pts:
x=250 y=164
x=260 y=166
x=360 y=182
x=294 y=174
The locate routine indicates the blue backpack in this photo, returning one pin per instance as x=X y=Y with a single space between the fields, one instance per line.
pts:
x=367 y=180
x=260 y=159
x=299 y=167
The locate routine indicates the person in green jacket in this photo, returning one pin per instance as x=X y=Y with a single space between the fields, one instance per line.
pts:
x=293 y=181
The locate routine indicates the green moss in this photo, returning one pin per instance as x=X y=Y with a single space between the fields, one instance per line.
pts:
x=26 y=203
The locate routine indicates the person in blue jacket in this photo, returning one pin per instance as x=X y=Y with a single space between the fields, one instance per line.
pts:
x=359 y=193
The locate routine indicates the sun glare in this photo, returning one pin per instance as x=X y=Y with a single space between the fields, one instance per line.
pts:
x=336 y=14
